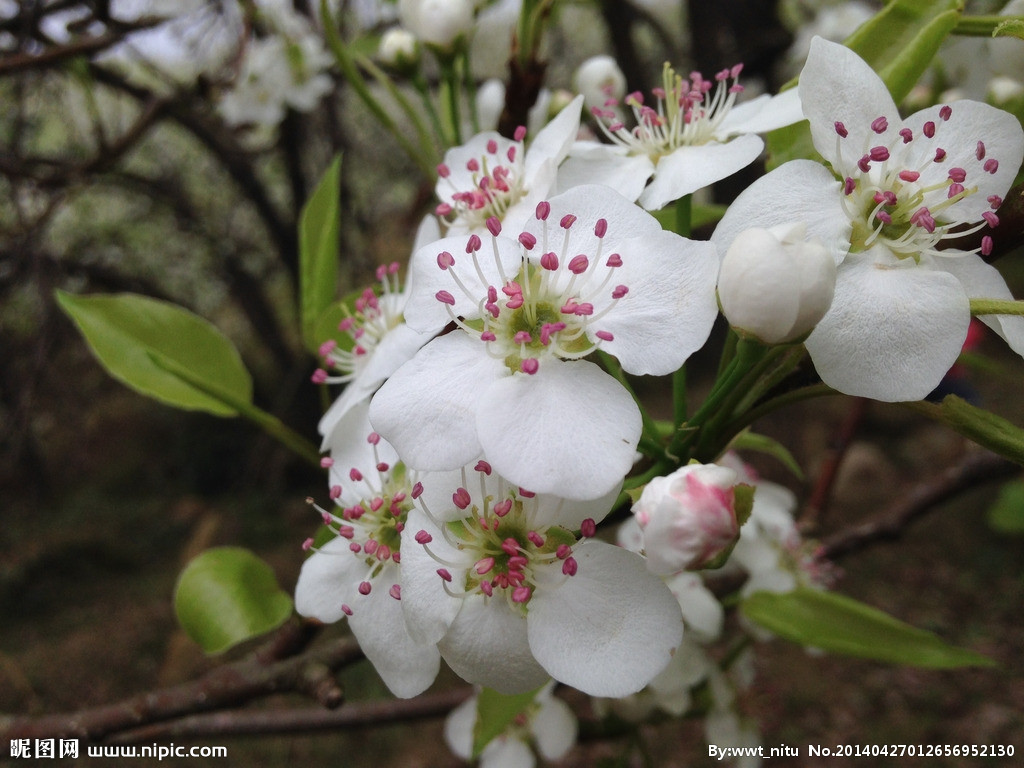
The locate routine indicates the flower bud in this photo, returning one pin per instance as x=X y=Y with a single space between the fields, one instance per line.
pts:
x=600 y=79
x=399 y=49
x=688 y=518
x=775 y=284
x=439 y=23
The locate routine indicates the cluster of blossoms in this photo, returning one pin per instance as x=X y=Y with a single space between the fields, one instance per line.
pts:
x=466 y=521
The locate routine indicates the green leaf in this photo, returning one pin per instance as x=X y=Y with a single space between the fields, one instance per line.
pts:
x=840 y=624
x=495 y=713
x=986 y=429
x=899 y=43
x=751 y=441
x=1006 y=515
x=1013 y=27
x=228 y=595
x=319 y=225
x=140 y=341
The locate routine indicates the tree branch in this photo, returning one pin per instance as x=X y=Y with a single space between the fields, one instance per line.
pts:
x=976 y=468
x=232 y=684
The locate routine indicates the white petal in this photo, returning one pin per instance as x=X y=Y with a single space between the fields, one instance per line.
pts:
x=670 y=308
x=836 y=85
x=555 y=138
x=487 y=645
x=893 y=331
x=406 y=666
x=458 y=728
x=983 y=281
x=701 y=610
x=797 y=191
x=427 y=409
x=423 y=312
x=350 y=449
x=970 y=122
x=554 y=728
x=460 y=178
x=687 y=169
x=570 y=513
x=609 y=629
x=429 y=610
x=589 y=204
x=427 y=232
x=327 y=581
x=593 y=163
x=570 y=429
x=765 y=113
x=507 y=752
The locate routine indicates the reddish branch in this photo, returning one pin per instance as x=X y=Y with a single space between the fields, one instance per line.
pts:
x=976 y=468
x=300 y=720
x=822 y=490
x=260 y=675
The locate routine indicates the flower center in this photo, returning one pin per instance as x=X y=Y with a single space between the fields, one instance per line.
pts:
x=374 y=316
x=888 y=205
x=552 y=307
x=500 y=546
x=498 y=183
x=686 y=113
x=374 y=523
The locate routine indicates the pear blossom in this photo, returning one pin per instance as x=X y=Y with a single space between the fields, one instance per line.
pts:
x=590 y=271
x=694 y=135
x=599 y=80
x=491 y=176
x=905 y=188
x=547 y=722
x=775 y=284
x=528 y=594
x=377 y=340
x=357 y=573
x=688 y=517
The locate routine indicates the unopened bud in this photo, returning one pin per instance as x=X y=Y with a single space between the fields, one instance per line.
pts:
x=439 y=23
x=688 y=518
x=775 y=284
x=399 y=49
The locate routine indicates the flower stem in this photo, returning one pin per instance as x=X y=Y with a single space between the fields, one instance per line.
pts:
x=996 y=307
x=450 y=97
x=684 y=211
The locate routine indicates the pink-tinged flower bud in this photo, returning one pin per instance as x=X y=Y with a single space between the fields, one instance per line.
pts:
x=688 y=517
x=775 y=284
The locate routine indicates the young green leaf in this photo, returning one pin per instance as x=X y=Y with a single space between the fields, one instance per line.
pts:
x=1006 y=515
x=129 y=334
x=319 y=226
x=228 y=595
x=840 y=624
x=986 y=429
x=494 y=713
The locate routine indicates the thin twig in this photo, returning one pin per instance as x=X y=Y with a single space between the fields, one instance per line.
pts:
x=818 y=500
x=976 y=468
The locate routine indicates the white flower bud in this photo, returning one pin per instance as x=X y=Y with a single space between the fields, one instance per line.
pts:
x=439 y=23
x=599 y=79
x=399 y=49
x=775 y=284
x=688 y=517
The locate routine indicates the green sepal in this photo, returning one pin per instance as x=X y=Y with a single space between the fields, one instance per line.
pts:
x=228 y=595
x=142 y=342
x=495 y=713
x=319 y=227
x=838 y=624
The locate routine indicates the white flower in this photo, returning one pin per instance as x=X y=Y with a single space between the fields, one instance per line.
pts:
x=439 y=23
x=492 y=176
x=499 y=578
x=900 y=312
x=590 y=271
x=688 y=517
x=692 y=137
x=547 y=722
x=775 y=284
x=377 y=341
x=357 y=573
